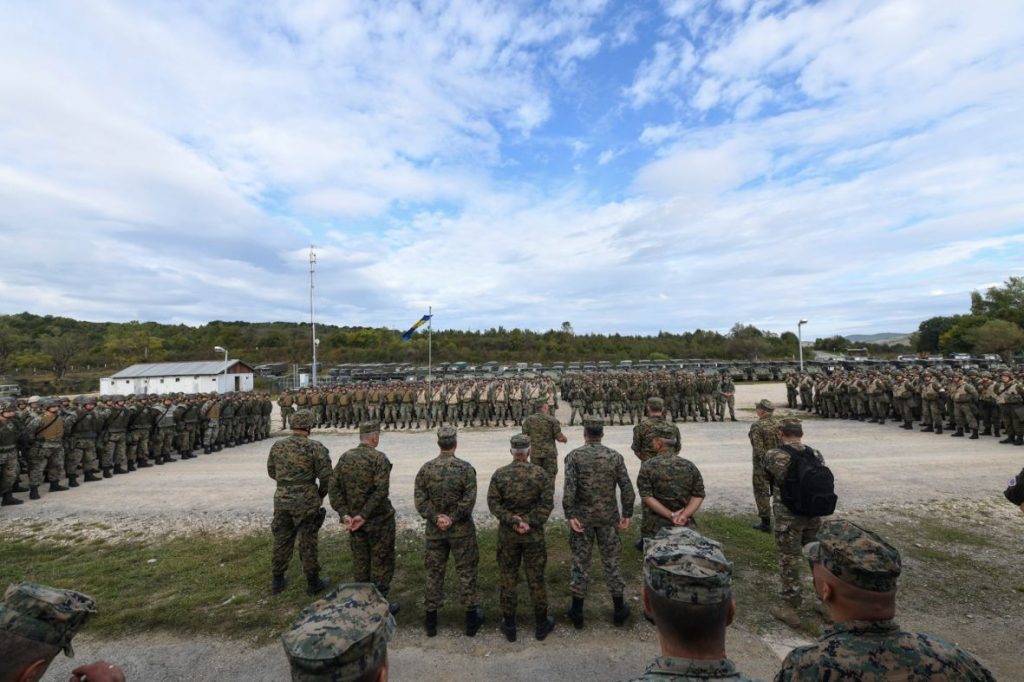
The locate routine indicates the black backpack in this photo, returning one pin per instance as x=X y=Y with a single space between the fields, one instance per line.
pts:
x=809 y=488
x=1015 y=489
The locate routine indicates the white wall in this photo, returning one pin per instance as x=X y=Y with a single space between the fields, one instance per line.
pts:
x=221 y=383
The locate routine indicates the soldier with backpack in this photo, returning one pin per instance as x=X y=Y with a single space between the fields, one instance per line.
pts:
x=803 y=492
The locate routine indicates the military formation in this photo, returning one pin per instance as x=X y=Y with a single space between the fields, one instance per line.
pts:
x=89 y=438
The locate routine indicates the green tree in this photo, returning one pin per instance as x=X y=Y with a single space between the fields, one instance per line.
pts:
x=929 y=331
x=1002 y=303
x=958 y=338
x=10 y=342
x=62 y=349
x=996 y=336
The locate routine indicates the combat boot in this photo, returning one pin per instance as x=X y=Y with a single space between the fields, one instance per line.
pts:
x=118 y=469
x=474 y=619
x=18 y=487
x=10 y=500
x=159 y=461
x=315 y=584
x=620 y=614
x=881 y=421
x=56 y=487
x=142 y=464
x=545 y=624
x=974 y=435
x=91 y=477
x=278 y=583
x=765 y=526
x=938 y=429
x=959 y=433
x=206 y=451
x=786 y=613
x=995 y=430
x=987 y=431
x=33 y=492
x=872 y=421
x=927 y=428
x=1008 y=440
x=430 y=623
x=168 y=458
x=72 y=482
x=508 y=627
x=1020 y=439
x=575 y=613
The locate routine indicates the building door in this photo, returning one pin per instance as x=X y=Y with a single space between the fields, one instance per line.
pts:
x=238 y=383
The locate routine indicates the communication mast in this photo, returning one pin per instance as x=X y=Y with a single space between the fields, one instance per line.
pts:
x=312 y=317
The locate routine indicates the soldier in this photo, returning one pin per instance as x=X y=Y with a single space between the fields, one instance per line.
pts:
x=286 y=402
x=643 y=442
x=47 y=433
x=302 y=468
x=965 y=397
x=855 y=576
x=359 y=491
x=687 y=594
x=792 y=531
x=671 y=488
x=83 y=426
x=210 y=411
x=445 y=493
x=165 y=432
x=1011 y=409
x=592 y=473
x=342 y=637
x=520 y=496
x=931 y=406
x=763 y=437
x=9 y=434
x=544 y=430
x=115 y=428
x=727 y=390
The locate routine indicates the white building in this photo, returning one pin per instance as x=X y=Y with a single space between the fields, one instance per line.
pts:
x=217 y=376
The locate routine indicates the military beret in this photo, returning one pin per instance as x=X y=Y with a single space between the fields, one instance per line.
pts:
x=303 y=419
x=856 y=556
x=520 y=441
x=682 y=565
x=655 y=403
x=45 y=614
x=663 y=430
x=369 y=427
x=765 y=404
x=593 y=421
x=447 y=433
x=340 y=637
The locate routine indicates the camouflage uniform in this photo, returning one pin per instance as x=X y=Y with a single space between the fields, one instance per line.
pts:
x=543 y=429
x=764 y=436
x=592 y=473
x=47 y=453
x=670 y=479
x=447 y=485
x=521 y=491
x=298 y=464
x=359 y=487
x=643 y=438
x=9 y=434
x=44 y=614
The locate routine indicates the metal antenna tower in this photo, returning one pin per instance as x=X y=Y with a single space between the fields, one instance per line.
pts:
x=312 y=318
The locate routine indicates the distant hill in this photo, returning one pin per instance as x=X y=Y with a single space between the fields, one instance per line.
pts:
x=885 y=338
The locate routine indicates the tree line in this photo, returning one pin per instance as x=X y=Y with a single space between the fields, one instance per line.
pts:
x=995 y=324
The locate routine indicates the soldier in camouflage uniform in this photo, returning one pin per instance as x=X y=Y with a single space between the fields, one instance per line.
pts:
x=286 y=402
x=687 y=594
x=342 y=637
x=592 y=473
x=855 y=576
x=9 y=432
x=764 y=436
x=643 y=439
x=521 y=497
x=47 y=432
x=445 y=494
x=544 y=430
x=302 y=468
x=671 y=488
x=359 y=492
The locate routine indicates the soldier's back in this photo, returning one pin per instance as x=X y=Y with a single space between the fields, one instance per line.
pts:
x=356 y=473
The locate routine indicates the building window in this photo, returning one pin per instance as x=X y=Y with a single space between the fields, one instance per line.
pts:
x=177 y=379
x=161 y=381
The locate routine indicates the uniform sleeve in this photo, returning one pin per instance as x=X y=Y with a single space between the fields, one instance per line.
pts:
x=625 y=487
x=539 y=516
x=339 y=500
x=697 y=489
x=496 y=502
x=678 y=447
x=323 y=470
x=556 y=428
x=569 y=488
x=381 y=488
x=271 y=467
x=424 y=506
x=638 y=439
x=644 y=485
x=776 y=463
x=464 y=508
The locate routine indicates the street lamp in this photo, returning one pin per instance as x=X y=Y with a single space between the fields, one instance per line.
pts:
x=222 y=350
x=800 y=341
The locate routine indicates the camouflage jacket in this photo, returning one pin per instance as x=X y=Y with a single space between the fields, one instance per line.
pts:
x=360 y=485
x=10 y=432
x=672 y=669
x=776 y=465
x=298 y=463
x=670 y=479
x=542 y=430
x=875 y=651
x=446 y=485
x=591 y=474
x=520 y=489
x=764 y=435
x=643 y=441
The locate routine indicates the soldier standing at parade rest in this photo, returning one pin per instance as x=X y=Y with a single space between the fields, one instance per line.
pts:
x=521 y=497
x=359 y=491
x=544 y=430
x=764 y=436
x=9 y=433
x=643 y=441
x=687 y=594
x=592 y=473
x=47 y=431
x=445 y=494
x=671 y=488
x=302 y=468
x=855 y=575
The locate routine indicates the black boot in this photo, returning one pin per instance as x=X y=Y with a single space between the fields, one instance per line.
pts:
x=621 y=612
x=10 y=499
x=974 y=434
x=959 y=433
x=159 y=461
x=430 y=623
x=33 y=492
x=508 y=627
x=1008 y=440
x=118 y=469
x=91 y=477
x=108 y=473
x=206 y=451
x=927 y=428
x=995 y=431
x=278 y=583
x=1019 y=440
x=168 y=458
x=987 y=431
x=142 y=464
x=765 y=526
x=545 y=624
x=19 y=488
x=56 y=487
x=575 y=613
x=315 y=584
x=474 y=619
x=938 y=429
x=72 y=482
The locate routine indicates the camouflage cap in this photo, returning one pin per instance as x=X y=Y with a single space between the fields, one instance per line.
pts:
x=340 y=637
x=520 y=441
x=856 y=556
x=655 y=403
x=369 y=426
x=45 y=614
x=447 y=435
x=765 y=404
x=663 y=430
x=303 y=419
x=683 y=565
x=791 y=421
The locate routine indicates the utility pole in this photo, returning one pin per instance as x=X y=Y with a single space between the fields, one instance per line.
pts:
x=312 y=317
x=800 y=341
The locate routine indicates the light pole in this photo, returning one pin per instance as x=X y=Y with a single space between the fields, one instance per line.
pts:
x=222 y=350
x=800 y=341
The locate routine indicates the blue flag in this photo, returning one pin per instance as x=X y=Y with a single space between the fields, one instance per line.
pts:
x=412 y=330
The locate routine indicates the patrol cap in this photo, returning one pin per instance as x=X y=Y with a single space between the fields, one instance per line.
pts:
x=303 y=419
x=682 y=565
x=369 y=426
x=520 y=441
x=856 y=556
x=340 y=637
x=655 y=403
x=765 y=404
x=663 y=430
x=593 y=421
x=447 y=435
x=792 y=422
x=45 y=614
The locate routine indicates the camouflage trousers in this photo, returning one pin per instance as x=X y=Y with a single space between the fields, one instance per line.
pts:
x=45 y=456
x=286 y=413
x=466 y=555
x=610 y=546
x=534 y=557
x=931 y=412
x=286 y=526
x=963 y=413
x=225 y=430
x=185 y=437
x=548 y=463
x=114 y=450
x=405 y=413
x=903 y=408
x=210 y=433
x=138 y=445
x=792 y=532
x=83 y=453
x=501 y=412
x=577 y=409
x=762 y=489
x=1013 y=419
x=8 y=469
x=373 y=554
x=164 y=442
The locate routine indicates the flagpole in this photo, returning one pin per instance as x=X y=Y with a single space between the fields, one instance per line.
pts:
x=430 y=344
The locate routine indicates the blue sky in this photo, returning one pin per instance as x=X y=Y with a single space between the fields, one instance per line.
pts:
x=629 y=167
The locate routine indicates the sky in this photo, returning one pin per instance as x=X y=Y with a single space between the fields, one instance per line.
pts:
x=628 y=167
